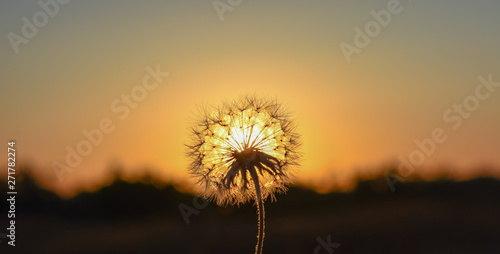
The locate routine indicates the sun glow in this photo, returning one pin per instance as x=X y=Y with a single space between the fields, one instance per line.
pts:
x=244 y=151
x=244 y=131
x=240 y=142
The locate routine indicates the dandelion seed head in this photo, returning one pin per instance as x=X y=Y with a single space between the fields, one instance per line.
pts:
x=241 y=140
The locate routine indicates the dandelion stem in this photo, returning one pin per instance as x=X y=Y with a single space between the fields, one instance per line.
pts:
x=261 y=213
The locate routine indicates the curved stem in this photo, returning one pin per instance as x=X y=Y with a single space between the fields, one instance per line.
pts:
x=260 y=211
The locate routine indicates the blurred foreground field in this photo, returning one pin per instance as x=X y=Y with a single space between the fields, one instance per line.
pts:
x=419 y=217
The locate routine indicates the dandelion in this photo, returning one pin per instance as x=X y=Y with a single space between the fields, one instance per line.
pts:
x=244 y=150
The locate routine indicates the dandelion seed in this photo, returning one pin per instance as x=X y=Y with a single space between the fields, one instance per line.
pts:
x=244 y=150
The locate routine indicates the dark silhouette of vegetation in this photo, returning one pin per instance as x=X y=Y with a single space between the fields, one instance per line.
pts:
x=420 y=217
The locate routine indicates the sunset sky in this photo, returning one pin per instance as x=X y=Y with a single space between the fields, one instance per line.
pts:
x=356 y=117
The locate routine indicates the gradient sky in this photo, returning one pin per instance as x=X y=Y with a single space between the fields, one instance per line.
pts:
x=354 y=117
